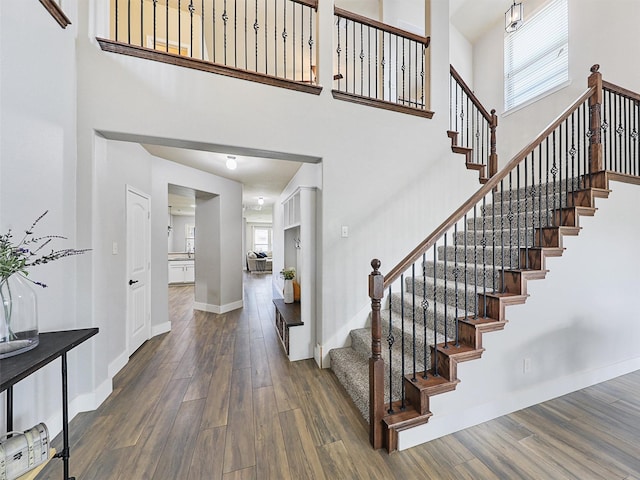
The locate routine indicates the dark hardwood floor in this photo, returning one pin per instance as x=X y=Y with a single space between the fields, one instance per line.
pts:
x=217 y=399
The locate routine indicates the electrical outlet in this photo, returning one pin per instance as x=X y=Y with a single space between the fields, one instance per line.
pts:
x=114 y=248
x=345 y=231
x=526 y=365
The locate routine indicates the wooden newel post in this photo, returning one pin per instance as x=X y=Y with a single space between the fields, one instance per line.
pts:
x=376 y=363
x=493 y=156
x=595 y=123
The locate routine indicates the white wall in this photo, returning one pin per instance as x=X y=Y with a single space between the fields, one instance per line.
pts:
x=37 y=173
x=375 y=163
x=461 y=56
x=178 y=235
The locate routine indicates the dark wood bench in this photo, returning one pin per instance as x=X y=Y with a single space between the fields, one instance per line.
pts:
x=287 y=315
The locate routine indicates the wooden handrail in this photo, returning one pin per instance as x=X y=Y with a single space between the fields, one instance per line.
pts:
x=470 y=94
x=381 y=26
x=493 y=182
x=621 y=90
x=309 y=3
x=56 y=12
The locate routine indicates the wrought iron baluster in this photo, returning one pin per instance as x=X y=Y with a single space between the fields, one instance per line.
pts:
x=129 y=21
x=466 y=270
x=155 y=6
x=445 y=300
x=502 y=264
x=475 y=261
x=413 y=318
x=225 y=17
x=403 y=67
x=311 y=46
x=510 y=218
x=390 y=342
x=369 y=59
x=483 y=243
x=191 y=10
x=256 y=27
x=293 y=40
x=141 y=23
x=338 y=50
x=275 y=36
x=353 y=65
x=435 y=312
x=526 y=214
x=246 y=37
x=425 y=306
x=202 y=35
x=456 y=273
x=266 y=38
x=117 y=21
x=179 y=28
x=402 y=342
x=166 y=19
x=362 y=61
x=284 y=39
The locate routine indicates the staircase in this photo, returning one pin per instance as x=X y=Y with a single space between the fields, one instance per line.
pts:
x=430 y=312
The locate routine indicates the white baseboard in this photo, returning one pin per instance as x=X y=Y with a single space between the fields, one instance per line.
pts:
x=440 y=426
x=160 y=329
x=219 y=309
x=117 y=365
x=82 y=403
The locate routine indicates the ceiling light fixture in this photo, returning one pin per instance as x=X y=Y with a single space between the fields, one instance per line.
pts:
x=260 y=201
x=514 y=17
x=231 y=162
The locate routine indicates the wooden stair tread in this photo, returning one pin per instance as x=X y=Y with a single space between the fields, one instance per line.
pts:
x=475 y=166
x=529 y=273
x=485 y=324
x=407 y=418
x=463 y=150
x=433 y=384
x=564 y=229
x=461 y=352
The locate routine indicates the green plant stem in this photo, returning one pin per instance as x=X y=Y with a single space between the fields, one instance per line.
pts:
x=7 y=306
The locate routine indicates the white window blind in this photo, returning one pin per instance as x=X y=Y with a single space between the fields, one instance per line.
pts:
x=536 y=56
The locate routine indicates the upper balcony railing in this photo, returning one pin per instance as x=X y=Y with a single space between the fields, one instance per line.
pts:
x=380 y=65
x=275 y=42
x=269 y=41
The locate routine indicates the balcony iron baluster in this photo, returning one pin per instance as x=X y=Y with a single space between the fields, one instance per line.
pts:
x=402 y=341
x=510 y=218
x=155 y=26
x=141 y=23
x=361 y=60
x=275 y=35
x=202 y=35
x=129 y=21
x=179 y=28
x=284 y=39
x=191 y=10
x=166 y=19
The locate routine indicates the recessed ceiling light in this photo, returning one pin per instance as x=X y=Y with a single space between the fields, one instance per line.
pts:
x=231 y=162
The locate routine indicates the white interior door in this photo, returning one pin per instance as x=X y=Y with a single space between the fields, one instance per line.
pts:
x=138 y=267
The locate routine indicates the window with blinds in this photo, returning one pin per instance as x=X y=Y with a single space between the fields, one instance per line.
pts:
x=536 y=56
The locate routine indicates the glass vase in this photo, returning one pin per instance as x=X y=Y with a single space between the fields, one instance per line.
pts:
x=18 y=316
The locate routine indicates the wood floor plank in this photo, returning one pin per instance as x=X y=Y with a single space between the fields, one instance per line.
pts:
x=215 y=418
x=271 y=454
x=244 y=474
x=239 y=449
x=175 y=458
x=144 y=459
x=216 y=409
x=336 y=462
x=260 y=372
x=302 y=456
x=208 y=458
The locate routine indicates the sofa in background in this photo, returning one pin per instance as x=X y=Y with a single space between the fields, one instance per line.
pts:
x=259 y=262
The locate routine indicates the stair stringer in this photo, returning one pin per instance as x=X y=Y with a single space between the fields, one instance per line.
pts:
x=481 y=168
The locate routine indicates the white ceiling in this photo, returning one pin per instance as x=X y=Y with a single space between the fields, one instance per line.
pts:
x=260 y=177
x=473 y=18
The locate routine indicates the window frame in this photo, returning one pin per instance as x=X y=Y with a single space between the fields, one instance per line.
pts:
x=539 y=58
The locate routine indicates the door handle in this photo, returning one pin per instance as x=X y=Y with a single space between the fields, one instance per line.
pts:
x=131 y=282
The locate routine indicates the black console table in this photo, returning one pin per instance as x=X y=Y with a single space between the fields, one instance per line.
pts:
x=51 y=346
